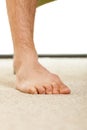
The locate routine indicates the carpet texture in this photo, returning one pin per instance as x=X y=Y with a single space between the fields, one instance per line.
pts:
x=19 y=111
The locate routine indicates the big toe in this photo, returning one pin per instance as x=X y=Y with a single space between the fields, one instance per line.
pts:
x=64 y=90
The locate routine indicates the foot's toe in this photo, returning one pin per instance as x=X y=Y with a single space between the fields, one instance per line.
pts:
x=40 y=89
x=55 y=88
x=48 y=89
x=64 y=90
x=32 y=90
x=24 y=89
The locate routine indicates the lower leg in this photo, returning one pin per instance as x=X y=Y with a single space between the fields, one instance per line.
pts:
x=31 y=76
x=21 y=17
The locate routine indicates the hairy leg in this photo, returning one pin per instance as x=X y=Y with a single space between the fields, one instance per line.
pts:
x=31 y=76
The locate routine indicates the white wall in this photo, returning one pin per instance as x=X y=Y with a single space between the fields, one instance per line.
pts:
x=60 y=28
x=5 y=36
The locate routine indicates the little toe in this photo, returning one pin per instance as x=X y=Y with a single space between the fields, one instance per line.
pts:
x=32 y=90
x=40 y=89
x=24 y=89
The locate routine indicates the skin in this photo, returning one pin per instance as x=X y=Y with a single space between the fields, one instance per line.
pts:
x=31 y=76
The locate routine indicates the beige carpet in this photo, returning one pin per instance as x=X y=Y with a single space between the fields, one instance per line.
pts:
x=19 y=111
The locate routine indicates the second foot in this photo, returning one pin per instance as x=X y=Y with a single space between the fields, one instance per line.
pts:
x=38 y=80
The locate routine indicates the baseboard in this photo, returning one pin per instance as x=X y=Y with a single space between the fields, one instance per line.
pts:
x=52 y=56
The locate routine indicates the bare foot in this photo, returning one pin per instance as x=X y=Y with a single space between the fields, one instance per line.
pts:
x=33 y=78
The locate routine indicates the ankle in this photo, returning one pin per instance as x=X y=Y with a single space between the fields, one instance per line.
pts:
x=30 y=58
